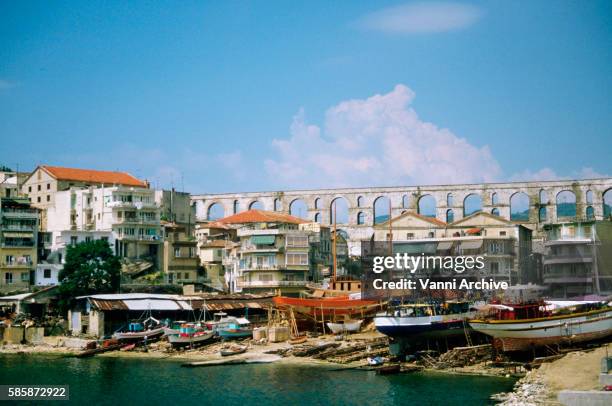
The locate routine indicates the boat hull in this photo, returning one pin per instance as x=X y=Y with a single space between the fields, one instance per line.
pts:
x=178 y=340
x=328 y=307
x=347 y=327
x=421 y=327
x=149 y=334
x=518 y=335
x=229 y=334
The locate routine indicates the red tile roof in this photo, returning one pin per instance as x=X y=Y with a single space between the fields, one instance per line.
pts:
x=261 y=216
x=93 y=176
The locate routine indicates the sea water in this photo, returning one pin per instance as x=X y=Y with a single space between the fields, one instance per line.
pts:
x=116 y=381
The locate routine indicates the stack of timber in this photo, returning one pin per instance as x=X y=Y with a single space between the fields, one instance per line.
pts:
x=463 y=356
x=356 y=352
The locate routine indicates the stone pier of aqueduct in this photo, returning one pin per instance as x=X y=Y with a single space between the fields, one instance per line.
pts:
x=589 y=196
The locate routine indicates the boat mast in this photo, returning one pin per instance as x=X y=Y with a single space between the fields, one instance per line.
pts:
x=334 y=261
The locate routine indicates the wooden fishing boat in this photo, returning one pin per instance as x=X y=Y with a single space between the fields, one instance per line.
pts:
x=233 y=350
x=128 y=347
x=328 y=307
x=346 y=326
x=190 y=334
x=298 y=340
x=519 y=327
x=422 y=320
x=234 y=327
x=389 y=369
x=139 y=335
x=98 y=350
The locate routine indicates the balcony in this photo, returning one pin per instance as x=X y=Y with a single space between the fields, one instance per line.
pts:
x=17 y=264
x=256 y=267
x=247 y=249
x=14 y=244
x=18 y=227
x=152 y=238
x=271 y=284
x=20 y=213
x=135 y=221
x=132 y=205
x=567 y=259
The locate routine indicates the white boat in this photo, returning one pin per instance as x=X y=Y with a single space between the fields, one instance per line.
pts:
x=577 y=323
x=139 y=335
x=198 y=337
x=347 y=326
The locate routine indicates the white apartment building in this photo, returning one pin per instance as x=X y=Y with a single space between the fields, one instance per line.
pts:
x=127 y=217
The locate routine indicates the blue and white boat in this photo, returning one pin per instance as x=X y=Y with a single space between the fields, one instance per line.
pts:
x=234 y=327
x=419 y=321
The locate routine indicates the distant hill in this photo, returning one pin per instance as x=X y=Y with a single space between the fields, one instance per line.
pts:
x=566 y=210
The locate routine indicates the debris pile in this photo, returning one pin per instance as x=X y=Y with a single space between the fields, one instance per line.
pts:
x=459 y=357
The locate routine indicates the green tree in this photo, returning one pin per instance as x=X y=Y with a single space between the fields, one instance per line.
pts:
x=90 y=268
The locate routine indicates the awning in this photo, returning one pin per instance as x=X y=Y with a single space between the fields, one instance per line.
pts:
x=445 y=245
x=263 y=239
x=474 y=230
x=471 y=245
x=414 y=248
x=18 y=235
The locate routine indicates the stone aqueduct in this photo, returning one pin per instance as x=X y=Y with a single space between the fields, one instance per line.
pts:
x=495 y=197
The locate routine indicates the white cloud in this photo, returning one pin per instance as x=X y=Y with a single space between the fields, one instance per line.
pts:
x=422 y=17
x=549 y=174
x=377 y=141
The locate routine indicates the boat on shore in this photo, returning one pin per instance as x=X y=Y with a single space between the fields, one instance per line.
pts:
x=233 y=350
x=345 y=326
x=519 y=327
x=190 y=334
x=423 y=320
x=150 y=329
x=234 y=327
x=328 y=307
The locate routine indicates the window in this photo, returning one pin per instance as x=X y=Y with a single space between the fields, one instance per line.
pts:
x=25 y=277
x=410 y=236
x=87 y=239
x=48 y=198
x=297 y=258
x=177 y=252
x=265 y=277
x=430 y=234
x=297 y=241
x=8 y=278
x=47 y=274
x=48 y=186
x=496 y=247
x=38 y=199
x=9 y=259
x=30 y=189
x=73 y=240
x=186 y=275
x=494 y=267
x=361 y=218
x=39 y=188
x=502 y=233
x=104 y=239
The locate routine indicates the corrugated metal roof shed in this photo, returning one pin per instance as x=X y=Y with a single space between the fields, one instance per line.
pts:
x=159 y=302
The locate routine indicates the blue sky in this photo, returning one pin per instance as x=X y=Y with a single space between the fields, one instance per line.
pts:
x=230 y=96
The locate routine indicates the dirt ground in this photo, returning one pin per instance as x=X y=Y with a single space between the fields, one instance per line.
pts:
x=575 y=371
